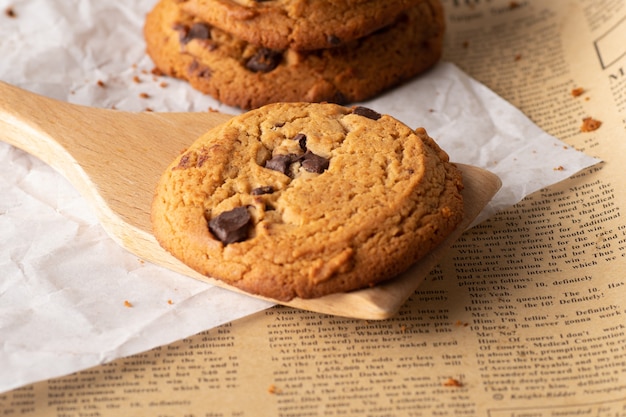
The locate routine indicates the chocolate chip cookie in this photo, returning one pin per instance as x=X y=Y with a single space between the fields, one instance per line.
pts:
x=298 y=24
x=307 y=199
x=245 y=75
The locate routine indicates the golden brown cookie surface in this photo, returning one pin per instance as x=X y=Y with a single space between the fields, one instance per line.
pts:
x=303 y=200
x=241 y=74
x=298 y=24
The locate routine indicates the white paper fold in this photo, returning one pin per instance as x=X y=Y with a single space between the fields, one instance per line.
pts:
x=64 y=283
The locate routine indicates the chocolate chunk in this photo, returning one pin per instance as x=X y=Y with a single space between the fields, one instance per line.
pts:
x=205 y=72
x=365 y=112
x=301 y=138
x=199 y=31
x=333 y=40
x=185 y=162
x=280 y=163
x=203 y=156
x=192 y=159
x=314 y=163
x=267 y=189
x=196 y=31
x=231 y=226
x=199 y=70
x=338 y=98
x=264 y=60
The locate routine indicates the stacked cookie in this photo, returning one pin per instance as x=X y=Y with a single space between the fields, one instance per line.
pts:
x=249 y=53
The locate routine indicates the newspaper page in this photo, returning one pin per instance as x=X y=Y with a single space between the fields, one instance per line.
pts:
x=524 y=316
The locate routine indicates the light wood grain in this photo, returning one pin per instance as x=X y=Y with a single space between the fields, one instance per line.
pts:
x=114 y=159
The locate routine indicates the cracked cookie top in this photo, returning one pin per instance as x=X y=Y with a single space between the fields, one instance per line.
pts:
x=304 y=200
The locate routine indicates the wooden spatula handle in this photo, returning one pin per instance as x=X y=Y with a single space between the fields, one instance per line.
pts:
x=113 y=158
x=26 y=119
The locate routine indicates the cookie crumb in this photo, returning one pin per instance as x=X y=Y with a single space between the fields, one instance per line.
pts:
x=518 y=57
x=10 y=12
x=451 y=382
x=559 y=168
x=163 y=84
x=578 y=91
x=101 y=83
x=514 y=5
x=465 y=44
x=127 y=304
x=144 y=95
x=136 y=79
x=590 y=124
x=273 y=389
x=170 y=302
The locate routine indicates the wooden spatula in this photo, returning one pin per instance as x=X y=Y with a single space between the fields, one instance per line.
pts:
x=115 y=159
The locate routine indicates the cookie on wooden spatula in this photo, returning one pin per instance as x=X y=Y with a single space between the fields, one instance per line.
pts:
x=304 y=200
